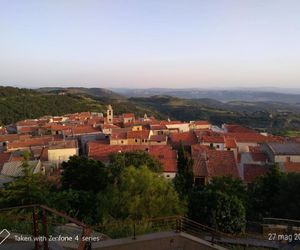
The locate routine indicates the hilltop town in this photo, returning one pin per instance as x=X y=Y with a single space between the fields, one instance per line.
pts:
x=228 y=150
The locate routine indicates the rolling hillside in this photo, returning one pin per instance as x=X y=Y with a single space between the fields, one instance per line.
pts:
x=17 y=104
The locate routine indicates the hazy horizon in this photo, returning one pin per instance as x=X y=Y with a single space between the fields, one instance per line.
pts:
x=150 y=44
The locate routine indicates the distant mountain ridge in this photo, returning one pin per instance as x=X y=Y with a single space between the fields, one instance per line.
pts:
x=94 y=92
x=219 y=95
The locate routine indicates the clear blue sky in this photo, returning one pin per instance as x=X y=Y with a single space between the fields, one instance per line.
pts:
x=153 y=43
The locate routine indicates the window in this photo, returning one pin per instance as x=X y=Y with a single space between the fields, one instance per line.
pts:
x=122 y=142
x=168 y=176
x=218 y=146
x=136 y=140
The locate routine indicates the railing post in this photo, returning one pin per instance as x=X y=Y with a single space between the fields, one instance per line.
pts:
x=134 y=236
x=35 y=229
x=83 y=245
x=45 y=229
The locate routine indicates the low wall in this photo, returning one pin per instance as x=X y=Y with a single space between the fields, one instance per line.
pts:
x=157 y=241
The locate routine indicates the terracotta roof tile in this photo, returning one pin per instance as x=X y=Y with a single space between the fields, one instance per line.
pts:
x=214 y=162
x=201 y=123
x=187 y=139
x=235 y=128
x=164 y=154
x=212 y=139
x=230 y=142
x=86 y=129
x=292 y=167
x=158 y=138
x=34 y=141
x=259 y=156
x=4 y=157
x=128 y=115
x=143 y=134
x=252 y=171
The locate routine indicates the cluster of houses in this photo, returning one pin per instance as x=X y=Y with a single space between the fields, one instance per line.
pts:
x=229 y=150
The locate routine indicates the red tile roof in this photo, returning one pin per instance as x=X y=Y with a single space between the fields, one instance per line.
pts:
x=171 y=122
x=158 y=138
x=128 y=115
x=292 y=167
x=3 y=131
x=143 y=134
x=13 y=137
x=250 y=137
x=28 y=123
x=4 y=157
x=230 y=142
x=259 y=156
x=164 y=154
x=212 y=139
x=118 y=136
x=202 y=123
x=24 y=130
x=255 y=149
x=252 y=171
x=214 y=162
x=235 y=128
x=34 y=141
x=85 y=129
x=108 y=126
x=186 y=138
x=158 y=127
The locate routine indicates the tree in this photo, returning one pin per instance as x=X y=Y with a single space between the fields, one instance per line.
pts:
x=120 y=161
x=82 y=173
x=230 y=186
x=216 y=209
x=289 y=197
x=274 y=195
x=139 y=193
x=264 y=195
x=184 y=179
x=76 y=203
x=29 y=188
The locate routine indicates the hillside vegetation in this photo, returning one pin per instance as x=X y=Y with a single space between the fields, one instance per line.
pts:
x=262 y=116
x=18 y=104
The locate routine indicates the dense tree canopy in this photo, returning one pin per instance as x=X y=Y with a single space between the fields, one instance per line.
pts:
x=27 y=189
x=140 y=193
x=119 y=161
x=219 y=210
x=184 y=178
x=274 y=195
x=82 y=173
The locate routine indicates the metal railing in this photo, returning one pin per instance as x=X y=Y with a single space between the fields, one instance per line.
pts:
x=39 y=220
x=42 y=221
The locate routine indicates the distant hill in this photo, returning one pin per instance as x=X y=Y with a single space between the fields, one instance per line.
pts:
x=266 y=116
x=18 y=104
x=94 y=92
x=220 y=95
